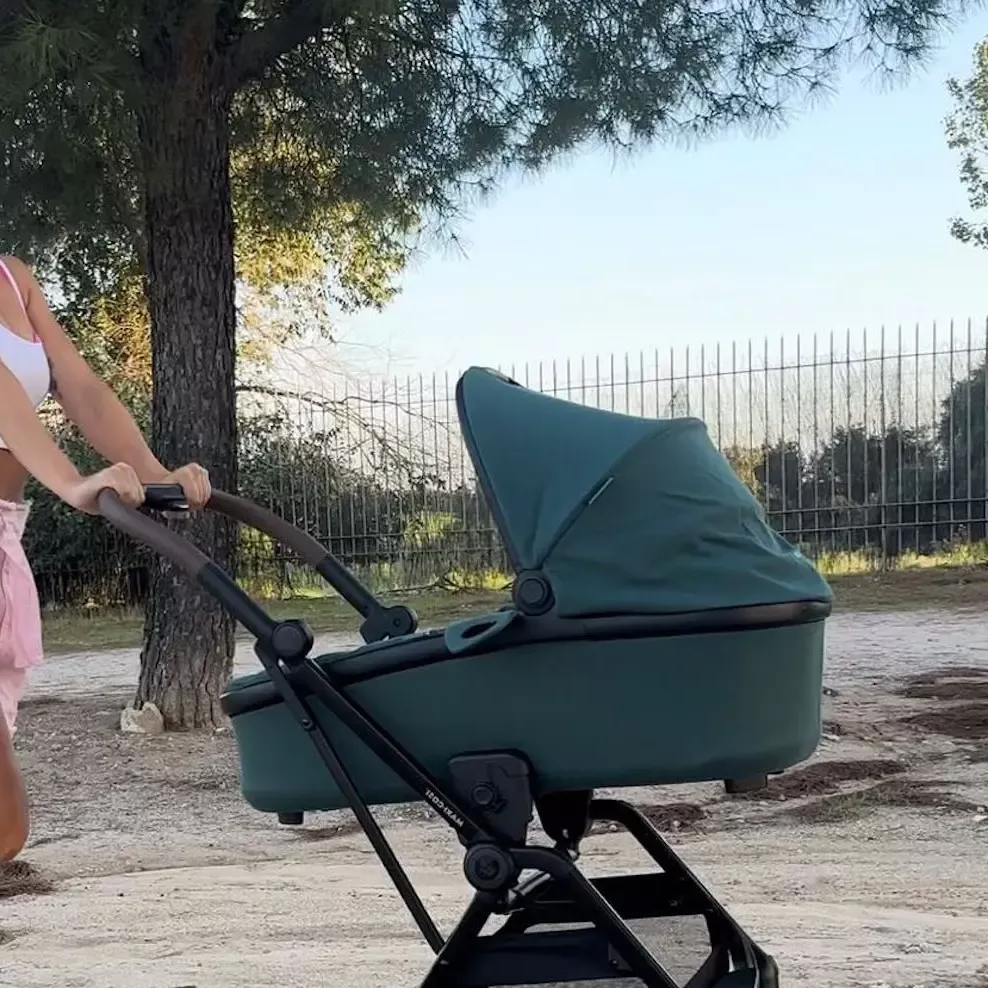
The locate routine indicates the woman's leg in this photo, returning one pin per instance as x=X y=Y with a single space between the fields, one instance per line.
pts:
x=20 y=649
x=14 y=822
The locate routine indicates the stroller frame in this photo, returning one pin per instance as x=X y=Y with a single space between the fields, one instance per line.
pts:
x=489 y=804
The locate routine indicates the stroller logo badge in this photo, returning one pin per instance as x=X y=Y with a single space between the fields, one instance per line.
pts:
x=446 y=811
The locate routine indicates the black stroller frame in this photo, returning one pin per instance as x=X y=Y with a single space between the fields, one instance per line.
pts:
x=488 y=801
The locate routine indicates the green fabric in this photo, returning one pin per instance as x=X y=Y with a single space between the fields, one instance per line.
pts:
x=543 y=457
x=625 y=515
x=587 y=714
x=676 y=531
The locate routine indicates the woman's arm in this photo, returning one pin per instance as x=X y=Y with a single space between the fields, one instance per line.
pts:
x=85 y=398
x=30 y=442
x=90 y=403
x=14 y=822
x=36 y=451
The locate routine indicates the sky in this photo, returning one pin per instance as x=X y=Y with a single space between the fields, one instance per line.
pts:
x=839 y=221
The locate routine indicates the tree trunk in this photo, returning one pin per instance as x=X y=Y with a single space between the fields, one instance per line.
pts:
x=189 y=639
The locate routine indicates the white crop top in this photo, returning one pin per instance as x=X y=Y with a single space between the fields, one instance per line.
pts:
x=25 y=359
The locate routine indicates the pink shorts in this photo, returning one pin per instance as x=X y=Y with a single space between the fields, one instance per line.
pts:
x=20 y=615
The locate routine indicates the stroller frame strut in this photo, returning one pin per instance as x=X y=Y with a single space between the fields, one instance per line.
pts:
x=497 y=854
x=489 y=805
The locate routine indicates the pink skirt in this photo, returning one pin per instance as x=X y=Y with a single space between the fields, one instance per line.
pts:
x=20 y=614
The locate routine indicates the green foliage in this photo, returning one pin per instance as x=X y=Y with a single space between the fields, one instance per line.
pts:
x=426 y=529
x=400 y=108
x=746 y=463
x=967 y=134
x=78 y=559
x=132 y=133
x=963 y=439
x=73 y=176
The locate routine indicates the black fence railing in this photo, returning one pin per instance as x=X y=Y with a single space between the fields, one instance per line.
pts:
x=866 y=451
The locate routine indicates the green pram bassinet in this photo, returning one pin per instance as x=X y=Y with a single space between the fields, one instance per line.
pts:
x=659 y=632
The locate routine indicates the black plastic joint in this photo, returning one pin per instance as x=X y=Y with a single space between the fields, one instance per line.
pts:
x=497 y=784
x=532 y=594
x=389 y=622
x=736 y=787
x=291 y=640
x=489 y=868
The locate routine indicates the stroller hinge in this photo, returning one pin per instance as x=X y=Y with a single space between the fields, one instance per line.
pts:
x=496 y=785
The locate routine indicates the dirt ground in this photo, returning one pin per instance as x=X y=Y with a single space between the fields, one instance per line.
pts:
x=865 y=868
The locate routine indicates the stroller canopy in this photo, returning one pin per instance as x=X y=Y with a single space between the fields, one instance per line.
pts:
x=622 y=515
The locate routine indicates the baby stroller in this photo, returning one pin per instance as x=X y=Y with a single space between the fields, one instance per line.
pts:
x=659 y=632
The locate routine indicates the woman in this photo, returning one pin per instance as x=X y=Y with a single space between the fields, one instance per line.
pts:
x=37 y=359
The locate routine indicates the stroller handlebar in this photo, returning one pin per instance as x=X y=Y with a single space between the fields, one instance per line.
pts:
x=379 y=621
x=185 y=555
x=163 y=540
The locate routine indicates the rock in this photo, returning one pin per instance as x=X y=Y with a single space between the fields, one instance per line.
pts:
x=919 y=948
x=147 y=720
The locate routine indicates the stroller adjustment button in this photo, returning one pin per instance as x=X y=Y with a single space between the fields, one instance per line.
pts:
x=532 y=595
x=484 y=795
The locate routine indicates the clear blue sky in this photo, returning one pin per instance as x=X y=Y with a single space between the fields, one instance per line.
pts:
x=841 y=220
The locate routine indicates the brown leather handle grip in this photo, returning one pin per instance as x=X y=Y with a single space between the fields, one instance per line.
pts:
x=316 y=555
x=248 y=513
x=163 y=540
x=183 y=553
x=379 y=621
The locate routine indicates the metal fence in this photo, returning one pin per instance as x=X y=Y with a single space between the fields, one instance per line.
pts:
x=866 y=449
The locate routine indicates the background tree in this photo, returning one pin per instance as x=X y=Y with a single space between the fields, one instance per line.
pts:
x=967 y=133
x=136 y=127
x=964 y=461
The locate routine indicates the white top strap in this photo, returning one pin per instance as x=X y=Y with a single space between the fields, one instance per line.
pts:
x=13 y=283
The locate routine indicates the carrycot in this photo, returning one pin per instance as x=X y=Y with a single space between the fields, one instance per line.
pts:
x=659 y=632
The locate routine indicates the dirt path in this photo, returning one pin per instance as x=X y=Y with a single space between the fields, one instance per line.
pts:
x=876 y=912
x=868 y=868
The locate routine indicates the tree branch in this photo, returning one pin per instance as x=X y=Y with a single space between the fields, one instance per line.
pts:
x=276 y=36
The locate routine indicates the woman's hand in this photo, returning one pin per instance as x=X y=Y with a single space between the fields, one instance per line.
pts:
x=194 y=480
x=120 y=478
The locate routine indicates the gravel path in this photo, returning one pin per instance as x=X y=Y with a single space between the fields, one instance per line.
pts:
x=166 y=879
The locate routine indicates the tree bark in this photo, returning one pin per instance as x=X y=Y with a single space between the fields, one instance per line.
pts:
x=185 y=130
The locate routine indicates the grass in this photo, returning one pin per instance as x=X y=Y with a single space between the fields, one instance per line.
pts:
x=954 y=577
x=948 y=588
x=859 y=562
x=20 y=878
x=959 y=581
x=72 y=631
